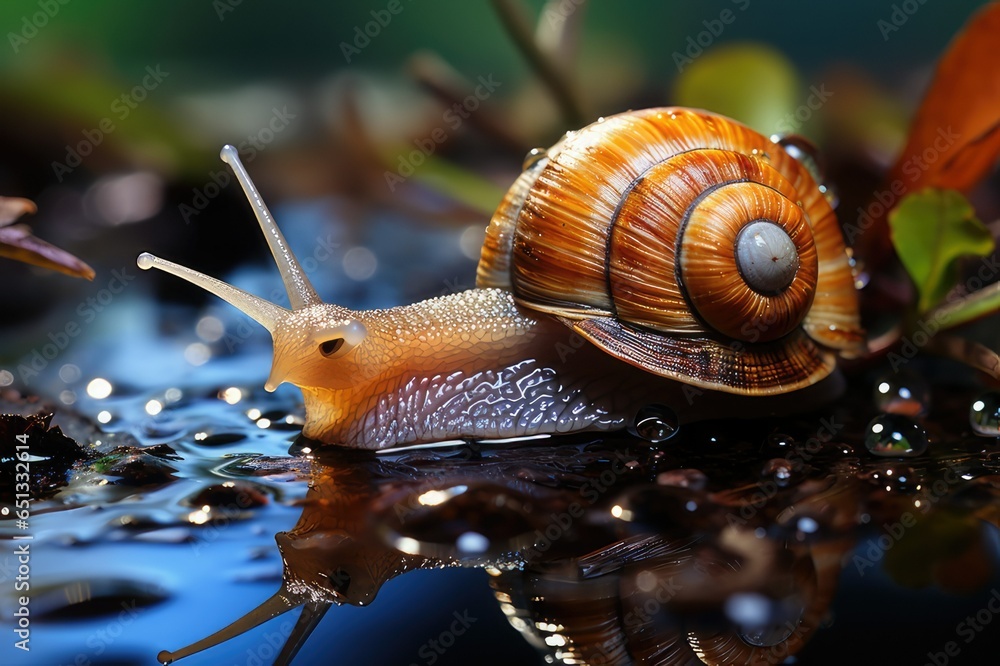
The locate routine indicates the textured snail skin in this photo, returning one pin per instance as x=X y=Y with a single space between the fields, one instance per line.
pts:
x=475 y=365
x=613 y=275
x=469 y=365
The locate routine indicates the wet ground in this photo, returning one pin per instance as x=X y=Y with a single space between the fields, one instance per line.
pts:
x=734 y=542
x=176 y=497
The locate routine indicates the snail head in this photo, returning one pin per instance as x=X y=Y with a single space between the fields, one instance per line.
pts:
x=315 y=343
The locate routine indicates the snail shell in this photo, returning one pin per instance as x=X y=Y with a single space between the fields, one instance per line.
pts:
x=684 y=243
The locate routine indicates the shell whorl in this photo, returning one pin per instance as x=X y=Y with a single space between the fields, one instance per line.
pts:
x=682 y=223
x=766 y=257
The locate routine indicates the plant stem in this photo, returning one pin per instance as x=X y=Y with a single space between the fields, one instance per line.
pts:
x=514 y=19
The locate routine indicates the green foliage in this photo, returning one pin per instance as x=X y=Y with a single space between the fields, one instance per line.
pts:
x=932 y=229
x=752 y=83
x=459 y=184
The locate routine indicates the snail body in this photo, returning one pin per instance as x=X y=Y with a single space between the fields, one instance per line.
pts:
x=651 y=251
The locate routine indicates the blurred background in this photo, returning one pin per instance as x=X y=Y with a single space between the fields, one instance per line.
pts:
x=114 y=113
x=382 y=134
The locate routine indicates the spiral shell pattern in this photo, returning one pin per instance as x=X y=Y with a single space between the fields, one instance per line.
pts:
x=667 y=232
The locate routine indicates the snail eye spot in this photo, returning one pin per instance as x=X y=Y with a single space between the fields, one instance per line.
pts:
x=331 y=347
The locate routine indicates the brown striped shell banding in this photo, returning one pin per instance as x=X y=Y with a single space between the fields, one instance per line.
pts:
x=634 y=218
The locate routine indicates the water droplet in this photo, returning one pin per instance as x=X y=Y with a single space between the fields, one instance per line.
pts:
x=360 y=263
x=197 y=353
x=655 y=423
x=210 y=329
x=533 y=157
x=70 y=373
x=763 y=621
x=231 y=395
x=99 y=388
x=984 y=416
x=895 y=435
x=780 y=440
x=472 y=542
x=902 y=392
x=807 y=525
x=892 y=477
x=779 y=470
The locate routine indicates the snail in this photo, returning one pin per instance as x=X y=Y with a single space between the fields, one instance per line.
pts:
x=647 y=259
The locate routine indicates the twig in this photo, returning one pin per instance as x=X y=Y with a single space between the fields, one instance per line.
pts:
x=970 y=353
x=514 y=19
x=558 y=31
x=451 y=88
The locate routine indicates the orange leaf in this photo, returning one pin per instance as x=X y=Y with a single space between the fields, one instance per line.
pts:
x=955 y=137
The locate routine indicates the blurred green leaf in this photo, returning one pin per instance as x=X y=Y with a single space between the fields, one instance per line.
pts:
x=446 y=178
x=752 y=83
x=978 y=304
x=88 y=105
x=932 y=229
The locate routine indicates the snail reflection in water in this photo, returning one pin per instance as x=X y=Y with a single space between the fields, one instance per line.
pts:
x=690 y=252
x=655 y=586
